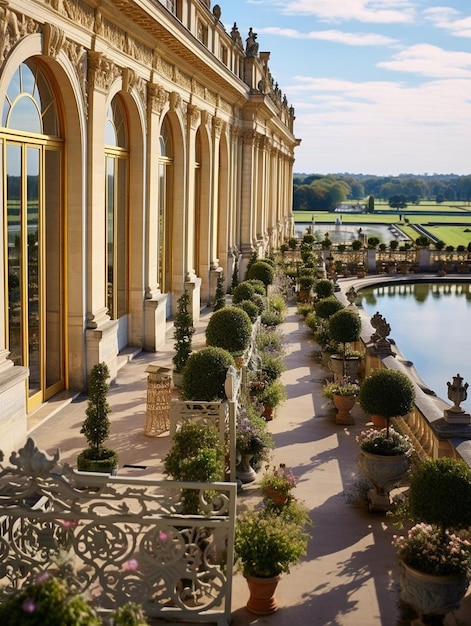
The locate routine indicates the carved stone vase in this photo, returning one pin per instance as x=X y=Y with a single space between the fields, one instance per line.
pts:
x=262 y=600
x=431 y=595
x=244 y=470
x=384 y=473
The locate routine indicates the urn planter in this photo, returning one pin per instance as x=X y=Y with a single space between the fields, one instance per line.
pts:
x=244 y=470
x=431 y=595
x=351 y=364
x=344 y=404
x=384 y=473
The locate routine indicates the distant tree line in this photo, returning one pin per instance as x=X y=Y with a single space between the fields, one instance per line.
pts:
x=324 y=193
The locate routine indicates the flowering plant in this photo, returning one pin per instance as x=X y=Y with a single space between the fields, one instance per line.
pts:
x=386 y=442
x=345 y=386
x=431 y=550
x=252 y=434
x=279 y=478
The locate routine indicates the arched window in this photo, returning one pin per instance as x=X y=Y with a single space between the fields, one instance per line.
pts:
x=33 y=222
x=164 y=208
x=116 y=201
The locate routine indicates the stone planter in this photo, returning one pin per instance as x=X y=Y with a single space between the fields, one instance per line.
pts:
x=344 y=404
x=352 y=366
x=384 y=473
x=431 y=595
x=244 y=470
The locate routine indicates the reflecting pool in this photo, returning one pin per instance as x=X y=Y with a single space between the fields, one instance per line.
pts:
x=346 y=233
x=430 y=323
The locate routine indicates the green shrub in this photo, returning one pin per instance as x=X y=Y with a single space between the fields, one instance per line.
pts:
x=385 y=392
x=440 y=493
x=205 y=373
x=271 y=318
x=250 y=308
x=261 y=270
x=326 y=307
x=231 y=329
x=260 y=302
x=196 y=455
x=243 y=291
x=276 y=302
x=272 y=366
x=258 y=286
x=49 y=602
x=324 y=288
x=270 y=340
x=345 y=327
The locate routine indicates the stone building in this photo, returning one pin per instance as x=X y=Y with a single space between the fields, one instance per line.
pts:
x=143 y=150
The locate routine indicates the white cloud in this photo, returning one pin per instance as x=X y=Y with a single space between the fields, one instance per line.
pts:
x=428 y=60
x=372 y=11
x=335 y=36
x=449 y=19
x=381 y=127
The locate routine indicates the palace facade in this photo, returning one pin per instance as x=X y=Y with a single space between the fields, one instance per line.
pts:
x=143 y=151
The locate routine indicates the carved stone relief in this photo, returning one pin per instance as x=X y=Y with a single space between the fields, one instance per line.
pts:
x=54 y=39
x=157 y=97
x=12 y=28
x=101 y=71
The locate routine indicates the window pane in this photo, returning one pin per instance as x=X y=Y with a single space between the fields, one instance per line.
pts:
x=32 y=198
x=14 y=253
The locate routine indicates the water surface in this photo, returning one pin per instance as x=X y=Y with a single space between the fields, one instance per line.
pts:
x=430 y=323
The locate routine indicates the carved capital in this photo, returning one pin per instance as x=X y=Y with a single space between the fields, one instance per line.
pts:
x=101 y=71
x=248 y=137
x=218 y=126
x=53 y=39
x=175 y=101
x=193 y=115
x=157 y=97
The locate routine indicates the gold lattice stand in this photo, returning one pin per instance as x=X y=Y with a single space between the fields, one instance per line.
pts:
x=159 y=392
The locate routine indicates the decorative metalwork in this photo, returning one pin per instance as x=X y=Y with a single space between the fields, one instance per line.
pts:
x=127 y=538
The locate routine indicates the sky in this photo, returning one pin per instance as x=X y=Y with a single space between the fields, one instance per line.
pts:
x=378 y=86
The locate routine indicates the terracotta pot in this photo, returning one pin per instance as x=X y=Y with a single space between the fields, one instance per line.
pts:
x=379 y=421
x=277 y=497
x=431 y=595
x=344 y=404
x=268 y=412
x=262 y=600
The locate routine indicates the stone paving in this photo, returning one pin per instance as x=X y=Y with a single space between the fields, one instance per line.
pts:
x=350 y=575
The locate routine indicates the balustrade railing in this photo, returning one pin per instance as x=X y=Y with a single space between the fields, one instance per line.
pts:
x=127 y=537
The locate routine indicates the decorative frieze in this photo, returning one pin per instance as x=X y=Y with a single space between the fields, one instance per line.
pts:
x=76 y=10
x=12 y=28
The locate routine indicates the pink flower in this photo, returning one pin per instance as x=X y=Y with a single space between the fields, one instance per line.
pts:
x=130 y=565
x=28 y=606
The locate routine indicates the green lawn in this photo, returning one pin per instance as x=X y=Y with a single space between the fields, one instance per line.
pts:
x=450 y=222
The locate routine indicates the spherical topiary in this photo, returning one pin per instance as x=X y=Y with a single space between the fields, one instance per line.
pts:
x=258 y=286
x=229 y=328
x=440 y=493
x=326 y=307
x=385 y=392
x=250 y=308
x=324 y=288
x=205 y=373
x=345 y=326
x=243 y=291
x=262 y=271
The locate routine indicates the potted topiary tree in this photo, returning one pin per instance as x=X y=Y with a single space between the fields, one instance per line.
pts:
x=196 y=455
x=261 y=270
x=96 y=427
x=230 y=328
x=385 y=394
x=435 y=555
x=205 y=374
x=183 y=334
x=345 y=328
